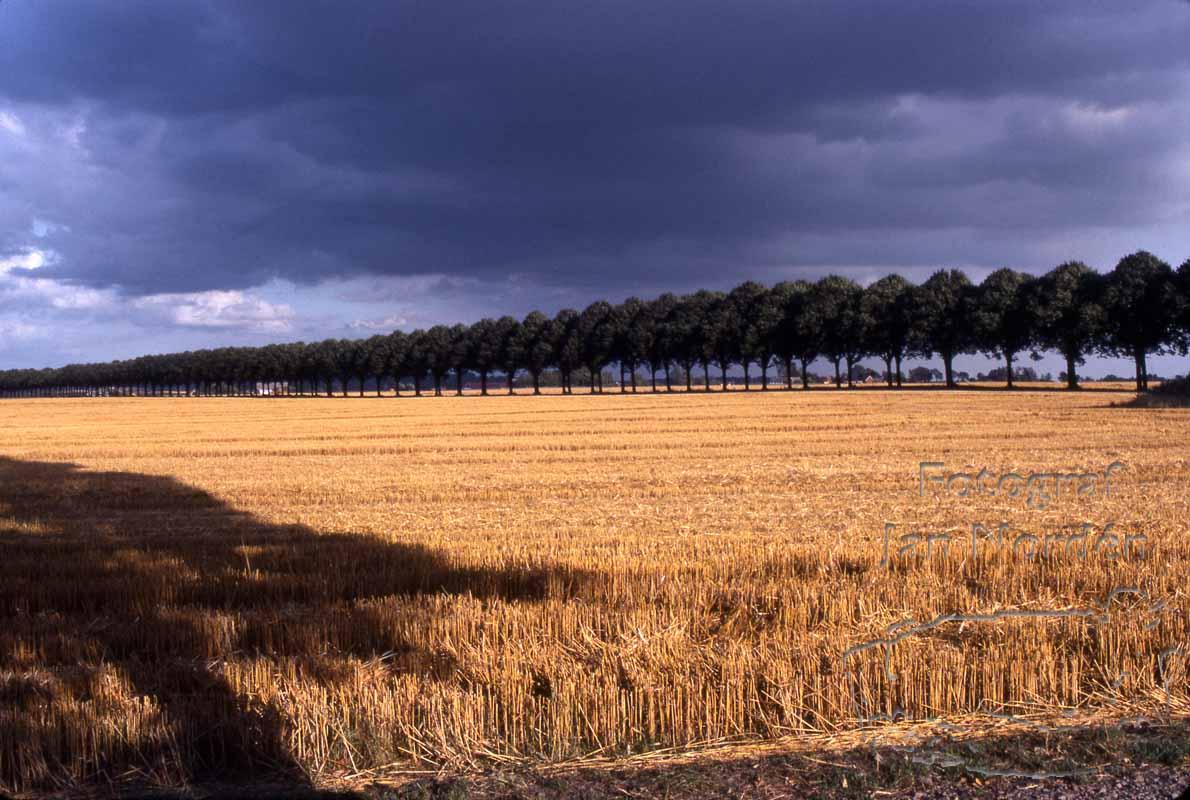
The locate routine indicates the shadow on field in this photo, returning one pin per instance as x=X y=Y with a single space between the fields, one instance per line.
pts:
x=1173 y=393
x=163 y=582
x=1104 y=760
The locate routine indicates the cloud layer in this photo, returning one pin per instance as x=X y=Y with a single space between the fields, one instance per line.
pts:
x=215 y=167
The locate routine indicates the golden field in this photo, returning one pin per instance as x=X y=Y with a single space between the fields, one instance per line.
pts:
x=334 y=588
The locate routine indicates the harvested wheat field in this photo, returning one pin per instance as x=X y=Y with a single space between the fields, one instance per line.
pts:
x=337 y=588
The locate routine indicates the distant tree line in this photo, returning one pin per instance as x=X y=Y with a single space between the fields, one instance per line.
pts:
x=1140 y=309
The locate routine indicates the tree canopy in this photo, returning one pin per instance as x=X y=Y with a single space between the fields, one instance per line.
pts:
x=1140 y=308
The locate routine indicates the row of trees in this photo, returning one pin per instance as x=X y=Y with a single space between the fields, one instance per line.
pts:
x=1139 y=309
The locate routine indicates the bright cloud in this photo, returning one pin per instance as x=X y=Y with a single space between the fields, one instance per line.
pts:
x=386 y=324
x=12 y=123
x=219 y=309
x=28 y=259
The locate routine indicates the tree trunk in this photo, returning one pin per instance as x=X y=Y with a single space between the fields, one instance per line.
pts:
x=459 y=382
x=591 y=375
x=948 y=368
x=789 y=374
x=805 y=375
x=668 y=384
x=536 y=383
x=898 y=364
x=1071 y=373
x=838 y=376
x=747 y=378
x=1008 y=367
x=437 y=384
x=850 y=372
x=688 y=368
x=764 y=376
x=888 y=373
x=653 y=377
x=723 y=375
x=623 y=382
x=1142 y=374
x=706 y=375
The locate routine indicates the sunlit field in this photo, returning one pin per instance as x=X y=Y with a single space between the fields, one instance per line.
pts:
x=336 y=588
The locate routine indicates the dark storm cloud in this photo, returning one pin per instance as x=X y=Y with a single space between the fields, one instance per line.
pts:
x=220 y=144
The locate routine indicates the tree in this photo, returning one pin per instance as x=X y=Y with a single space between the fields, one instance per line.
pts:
x=1001 y=374
x=683 y=330
x=376 y=348
x=634 y=333
x=720 y=335
x=417 y=359
x=780 y=342
x=857 y=332
x=1070 y=319
x=396 y=352
x=660 y=347
x=1140 y=301
x=1004 y=322
x=596 y=332
x=511 y=356
x=888 y=307
x=751 y=319
x=483 y=349
x=944 y=308
x=924 y=375
x=567 y=352
x=1141 y=308
x=438 y=346
x=705 y=306
x=799 y=331
x=322 y=364
x=361 y=362
x=838 y=302
x=536 y=335
x=343 y=356
x=1183 y=284
x=459 y=348
x=286 y=361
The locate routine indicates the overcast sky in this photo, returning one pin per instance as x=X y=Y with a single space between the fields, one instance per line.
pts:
x=192 y=173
